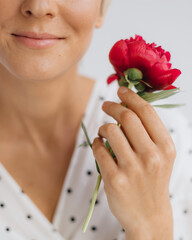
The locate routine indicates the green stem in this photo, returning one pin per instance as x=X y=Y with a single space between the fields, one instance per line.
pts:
x=92 y=203
x=130 y=85
x=86 y=134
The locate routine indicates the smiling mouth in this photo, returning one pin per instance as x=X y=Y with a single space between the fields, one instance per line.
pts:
x=36 y=41
x=37 y=38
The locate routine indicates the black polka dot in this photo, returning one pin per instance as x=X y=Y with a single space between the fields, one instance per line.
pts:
x=122 y=230
x=72 y=219
x=2 y=205
x=54 y=230
x=69 y=190
x=171 y=130
x=170 y=195
x=96 y=202
x=22 y=191
x=185 y=211
x=89 y=172
x=180 y=238
x=7 y=229
x=29 y=216
x=94 y=228
x=101 y=98
x=190 y=151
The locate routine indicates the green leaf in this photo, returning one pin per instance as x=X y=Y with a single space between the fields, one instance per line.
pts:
x=135 y=82
x=151 y=97
x=123 y=82
x=86 y=135
x=140 y=87
x=169 y=105
x=146 y=84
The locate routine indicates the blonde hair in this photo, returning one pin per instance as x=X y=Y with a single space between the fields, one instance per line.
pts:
x=105 y=5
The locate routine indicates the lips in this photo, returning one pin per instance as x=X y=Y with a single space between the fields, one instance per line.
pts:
x=36 y=40
x=37 y=35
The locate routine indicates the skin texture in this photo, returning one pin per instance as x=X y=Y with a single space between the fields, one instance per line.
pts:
x=137 y=186
x=40 y=92
x=41 y=113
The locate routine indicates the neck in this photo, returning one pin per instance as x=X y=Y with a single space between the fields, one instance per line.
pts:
x=39 y=110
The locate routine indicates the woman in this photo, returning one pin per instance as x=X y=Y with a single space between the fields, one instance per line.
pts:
x=46 y=180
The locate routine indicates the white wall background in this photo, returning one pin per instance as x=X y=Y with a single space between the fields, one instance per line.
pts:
x=166 y=22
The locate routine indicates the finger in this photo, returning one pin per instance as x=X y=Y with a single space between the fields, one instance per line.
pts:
x=147 y=114
x=119 y=144
x=106 y=163
x=132 y=126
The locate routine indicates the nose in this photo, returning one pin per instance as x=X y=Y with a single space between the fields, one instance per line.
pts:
x=39 y=8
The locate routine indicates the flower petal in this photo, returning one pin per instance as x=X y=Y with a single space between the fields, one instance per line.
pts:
x=157 y=70
x=167 y=79
x=118 y=56
x=140 y=56
x=112 y=78
x=169 y=87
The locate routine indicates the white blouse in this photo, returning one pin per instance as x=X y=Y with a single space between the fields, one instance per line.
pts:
x=20 y=218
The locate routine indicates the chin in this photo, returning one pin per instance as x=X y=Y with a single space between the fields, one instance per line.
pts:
x=36 y=70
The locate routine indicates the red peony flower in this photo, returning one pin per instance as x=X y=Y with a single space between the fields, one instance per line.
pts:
x=152 y=61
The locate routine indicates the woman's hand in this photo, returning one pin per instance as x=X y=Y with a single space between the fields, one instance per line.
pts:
x=137 y=185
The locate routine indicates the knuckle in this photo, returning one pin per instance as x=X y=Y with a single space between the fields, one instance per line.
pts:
x=110 y=128
x=137 y=170
x=154 y=167
x=100 y=153
x=146 y=108
x=97 y=149
x=118 y=182
x=151 y=156
x=94 y=145
x=127 y=115
x=169 y=149
x=111 y=175
x=107 y=129
x=153 y=162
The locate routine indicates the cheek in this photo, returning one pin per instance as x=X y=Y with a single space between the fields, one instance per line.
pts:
x=81 y=17
x=8 y=14
x=8 y=10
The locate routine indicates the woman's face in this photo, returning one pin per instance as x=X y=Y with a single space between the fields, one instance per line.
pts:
x=71 y=20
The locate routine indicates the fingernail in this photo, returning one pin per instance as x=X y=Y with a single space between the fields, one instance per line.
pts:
x=107 y=103
x=123 y=90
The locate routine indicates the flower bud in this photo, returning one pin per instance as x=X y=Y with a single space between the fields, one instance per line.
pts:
x=133 y=74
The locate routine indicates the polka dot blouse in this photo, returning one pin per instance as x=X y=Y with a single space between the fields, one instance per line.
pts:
x=20 y=218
